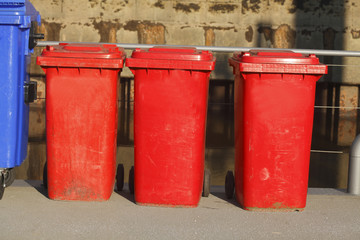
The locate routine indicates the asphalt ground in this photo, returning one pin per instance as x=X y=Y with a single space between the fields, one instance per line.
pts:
x=27 y=213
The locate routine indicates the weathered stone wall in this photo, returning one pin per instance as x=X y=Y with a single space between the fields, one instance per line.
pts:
x=247 y=23
x=325 y=24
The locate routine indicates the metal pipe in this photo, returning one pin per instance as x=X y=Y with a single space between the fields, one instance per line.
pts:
x=354 y=167
x=339 y=53
x=326 y=151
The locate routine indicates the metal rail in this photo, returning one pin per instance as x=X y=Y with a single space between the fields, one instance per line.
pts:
x=326 y=151
x=339 y=53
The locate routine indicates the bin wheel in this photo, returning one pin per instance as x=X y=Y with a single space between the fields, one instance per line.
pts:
x=9 y=177
x=131 y=180
x=229 y=184
x=206 y=184
x=45 y=183
x=120 y=177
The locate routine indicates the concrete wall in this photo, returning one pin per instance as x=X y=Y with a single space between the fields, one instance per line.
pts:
x=247 y=23
x=325 y=24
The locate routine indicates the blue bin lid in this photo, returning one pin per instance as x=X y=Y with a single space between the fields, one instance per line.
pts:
x=15 y=7
x=19 y=12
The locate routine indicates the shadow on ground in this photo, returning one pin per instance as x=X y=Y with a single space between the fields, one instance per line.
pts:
x=222 y=196
x=39 y=186
x=125 y=193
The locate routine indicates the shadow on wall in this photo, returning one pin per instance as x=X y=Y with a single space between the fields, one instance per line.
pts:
x=334 y=128
x=220 y=118
x=331 y=124
x=125 y=136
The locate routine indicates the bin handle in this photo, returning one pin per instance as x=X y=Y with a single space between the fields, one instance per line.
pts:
x=34 y=37
x=30 y=90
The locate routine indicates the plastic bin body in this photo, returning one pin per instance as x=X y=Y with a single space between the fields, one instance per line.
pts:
x=81 y=119
x=16 y=18
x=274 y=108
x=171 y=93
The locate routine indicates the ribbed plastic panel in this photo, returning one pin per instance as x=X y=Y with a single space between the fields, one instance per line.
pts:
x=13 y=3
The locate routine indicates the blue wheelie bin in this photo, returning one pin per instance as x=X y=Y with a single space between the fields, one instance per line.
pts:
x=18 y=37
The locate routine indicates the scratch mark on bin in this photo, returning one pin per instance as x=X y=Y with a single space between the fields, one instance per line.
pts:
x=151 y=160
x=264 y=174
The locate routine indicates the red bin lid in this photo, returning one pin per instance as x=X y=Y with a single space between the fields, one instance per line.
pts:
x=186 y=58
x=281 y=57
x=82 y=55
x=277 y=61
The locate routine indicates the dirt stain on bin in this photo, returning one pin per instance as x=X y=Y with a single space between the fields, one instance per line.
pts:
x=276 y=207
x=81 y=193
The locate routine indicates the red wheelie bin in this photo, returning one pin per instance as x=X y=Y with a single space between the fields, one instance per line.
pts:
x=171 y=94
x=81 y=119
x=274 y=109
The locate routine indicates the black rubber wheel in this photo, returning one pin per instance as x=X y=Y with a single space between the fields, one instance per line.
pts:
x=2 y=188
x=9 y=177
x=229 y=184
x=120 y=177
x=131 y=180
x=206 y=184
x=45 y=176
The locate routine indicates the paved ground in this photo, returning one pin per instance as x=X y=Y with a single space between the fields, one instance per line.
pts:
x=27 y=213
